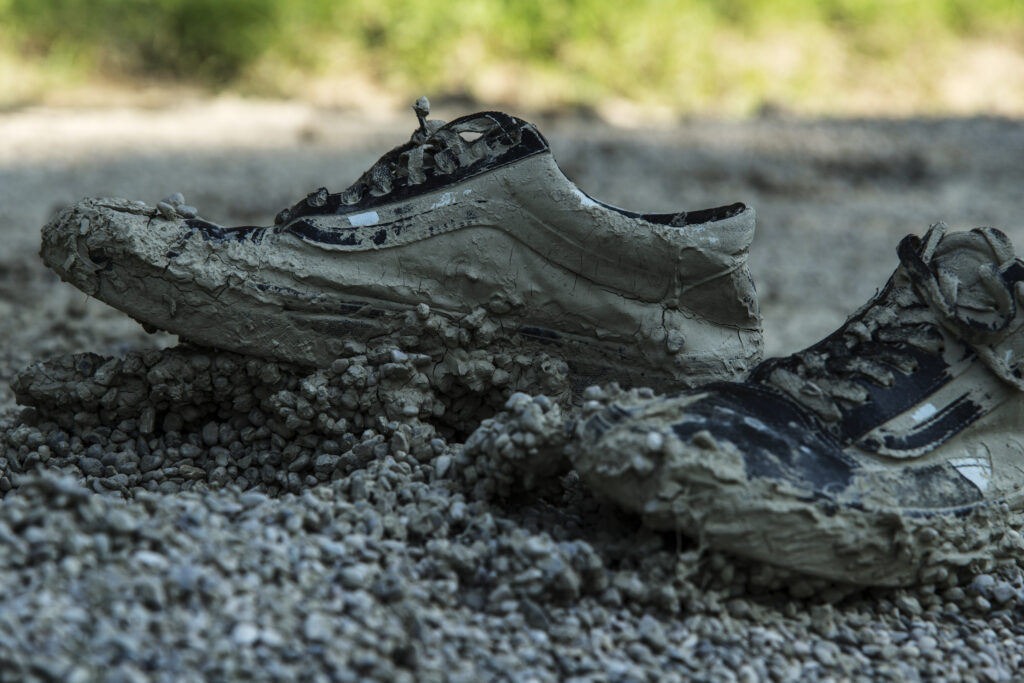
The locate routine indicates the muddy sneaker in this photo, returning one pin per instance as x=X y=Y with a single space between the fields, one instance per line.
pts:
x=468 y=216
x=884 y=454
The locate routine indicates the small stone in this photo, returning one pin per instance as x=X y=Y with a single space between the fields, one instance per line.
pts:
x=173 y=422
x=652 y=633
x=534 y=615
x=441 y=465
x=245 y=633
x=148 y=463
x=909 y=605
x=326 y=463
x=271 y=637
x=982 y=583
x=927 y=644
x=826 y=652
x=317 y=627
x=210 y=433
x=1003 y=592
x=121 y=521
x=90 y=467
x=356 y=576
x=147 y=420
x=151 y=560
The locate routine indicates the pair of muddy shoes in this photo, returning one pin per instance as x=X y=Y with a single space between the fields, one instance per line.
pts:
x=883 y=454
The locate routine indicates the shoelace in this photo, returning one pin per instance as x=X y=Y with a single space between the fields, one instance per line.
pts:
x=435 y=148
x=882 y=337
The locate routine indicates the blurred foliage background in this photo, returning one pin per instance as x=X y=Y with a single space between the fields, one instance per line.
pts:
x=666 y=57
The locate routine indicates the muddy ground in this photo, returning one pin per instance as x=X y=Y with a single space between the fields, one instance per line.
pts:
x=833 y=198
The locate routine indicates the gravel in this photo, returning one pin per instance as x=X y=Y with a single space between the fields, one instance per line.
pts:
x=175 y=513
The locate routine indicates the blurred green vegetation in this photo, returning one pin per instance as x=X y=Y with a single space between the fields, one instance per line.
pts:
x=685 y=55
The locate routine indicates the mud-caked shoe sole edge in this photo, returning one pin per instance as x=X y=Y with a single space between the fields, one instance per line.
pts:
x=700 y=485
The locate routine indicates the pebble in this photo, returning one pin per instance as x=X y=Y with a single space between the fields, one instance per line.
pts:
x=210 y=433
x=90 y=466
x=441 y=465
x=983 y=583
x=317 y=627
x=245 y=634
x=909 y=604
x=826 y=652
x=357 y=576
x=927 y=644
x=1003 y=592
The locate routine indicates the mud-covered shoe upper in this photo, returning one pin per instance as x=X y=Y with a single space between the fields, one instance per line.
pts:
x=942 y=340
x=494 y=170
x=880 y=455
x=438 y=154
x=911 y=404
x=472 y=214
